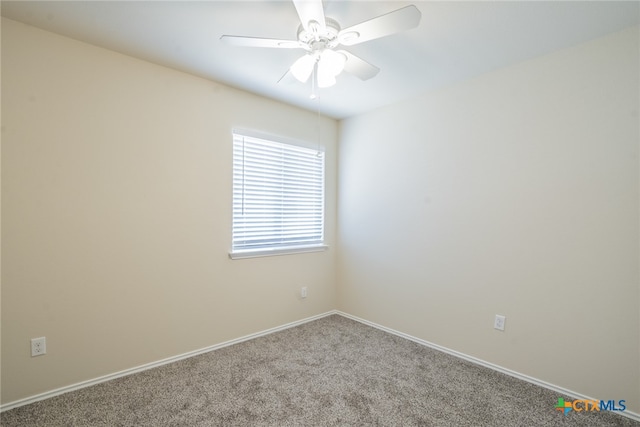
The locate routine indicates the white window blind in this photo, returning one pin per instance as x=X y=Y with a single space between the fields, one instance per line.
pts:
x=278 y=196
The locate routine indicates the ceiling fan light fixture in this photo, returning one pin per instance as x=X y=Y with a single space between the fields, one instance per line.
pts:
x=332 y=61
x=303 y=67
x=325 y=79
x=330 y=65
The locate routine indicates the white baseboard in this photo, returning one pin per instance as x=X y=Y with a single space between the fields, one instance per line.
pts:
x=553 y=387
x=146 y=366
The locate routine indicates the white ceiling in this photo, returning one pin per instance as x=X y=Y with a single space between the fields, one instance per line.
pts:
x=454 y=41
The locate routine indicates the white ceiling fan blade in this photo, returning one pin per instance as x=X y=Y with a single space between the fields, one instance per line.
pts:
x=393 y=22
x=259 y=42
x=310 y=11
x=359 y=67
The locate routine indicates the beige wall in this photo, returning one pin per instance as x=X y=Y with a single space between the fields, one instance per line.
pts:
x=515 y=193
x=520 y=191
x=116 y=186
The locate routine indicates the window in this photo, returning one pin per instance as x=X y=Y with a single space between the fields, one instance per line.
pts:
x=278 y=196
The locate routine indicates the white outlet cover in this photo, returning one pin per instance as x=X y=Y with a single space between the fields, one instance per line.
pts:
x=38 y=346
x=499 y=322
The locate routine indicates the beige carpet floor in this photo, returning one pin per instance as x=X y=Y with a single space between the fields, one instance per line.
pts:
x=329 y=372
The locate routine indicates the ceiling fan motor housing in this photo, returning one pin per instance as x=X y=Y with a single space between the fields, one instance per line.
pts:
x=318 y=38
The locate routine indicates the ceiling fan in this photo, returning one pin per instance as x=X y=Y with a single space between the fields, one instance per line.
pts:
x=320 y=37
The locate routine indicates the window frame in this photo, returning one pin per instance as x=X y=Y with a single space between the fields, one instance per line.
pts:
x=241 y=253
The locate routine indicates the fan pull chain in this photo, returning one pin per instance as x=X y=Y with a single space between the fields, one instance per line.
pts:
x=318 y=128
x=314 y=82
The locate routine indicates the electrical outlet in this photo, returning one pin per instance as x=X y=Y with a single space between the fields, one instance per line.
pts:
x=499 y=322
x=38 y=346
x=303 y=292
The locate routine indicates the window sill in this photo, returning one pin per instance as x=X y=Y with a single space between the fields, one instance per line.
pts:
x=277 y=252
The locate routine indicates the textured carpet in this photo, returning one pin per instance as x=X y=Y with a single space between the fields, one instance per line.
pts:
x=332 y=371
